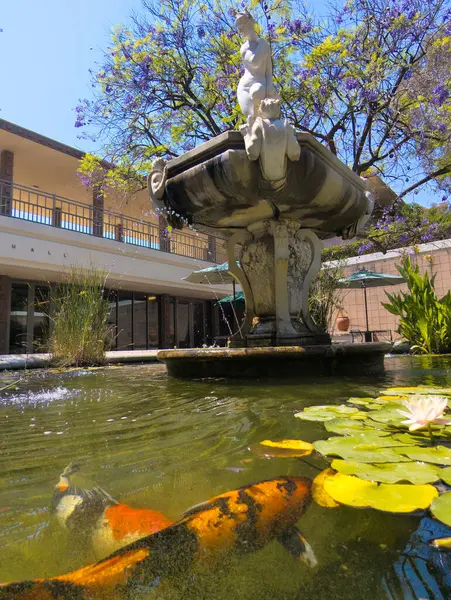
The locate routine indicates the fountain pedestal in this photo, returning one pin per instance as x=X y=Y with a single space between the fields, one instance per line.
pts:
x=278 y=261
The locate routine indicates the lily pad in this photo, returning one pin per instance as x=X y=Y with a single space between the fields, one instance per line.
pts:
x=364 y=447
x=438 y=455
x=324 y=413
x=445 y=475
x=397 y=498
x=414 y=472
x=295 y=447
x=350 y=426
x=320 y=496
x=388 y=414
x=441 y=508
x=392 y=398
x=422 y=390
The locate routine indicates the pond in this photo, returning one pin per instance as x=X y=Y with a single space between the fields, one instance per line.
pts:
x=160 y=443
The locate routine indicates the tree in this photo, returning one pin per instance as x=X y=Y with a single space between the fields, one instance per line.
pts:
x=361 y=80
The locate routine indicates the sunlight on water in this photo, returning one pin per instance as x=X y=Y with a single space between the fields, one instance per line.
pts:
x=158 y=443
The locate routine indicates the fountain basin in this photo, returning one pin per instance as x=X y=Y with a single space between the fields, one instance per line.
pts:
x=280 y=361
x=215 y=186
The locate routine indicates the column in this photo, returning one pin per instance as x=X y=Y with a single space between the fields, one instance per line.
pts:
x=165 y=306
x=98 y=204
x=6 y=177
x=5 y=313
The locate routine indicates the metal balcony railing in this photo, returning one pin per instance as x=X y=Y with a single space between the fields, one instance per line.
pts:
x=30 y=204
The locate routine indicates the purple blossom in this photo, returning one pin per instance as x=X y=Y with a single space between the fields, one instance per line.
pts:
x=351 y=83
x=79 y=122
x=201 y=31
x=441 y=94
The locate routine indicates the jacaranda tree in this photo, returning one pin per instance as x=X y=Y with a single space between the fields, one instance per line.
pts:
x=371 y=81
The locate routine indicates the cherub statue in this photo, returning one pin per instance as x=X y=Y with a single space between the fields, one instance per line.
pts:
x=271 y=140
x=256 y=83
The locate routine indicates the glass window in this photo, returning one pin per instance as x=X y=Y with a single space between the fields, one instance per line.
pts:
x=111 y=295
x=125 y=320
x=199 y=324
x=153 y=337
x=183 y=337
x=41 y=319
x=139 y=321
x=18 y=319
x=171 y=324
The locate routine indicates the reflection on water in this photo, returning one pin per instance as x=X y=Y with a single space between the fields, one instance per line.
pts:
x=164 y=444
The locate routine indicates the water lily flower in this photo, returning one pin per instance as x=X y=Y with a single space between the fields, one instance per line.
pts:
x=422 y=411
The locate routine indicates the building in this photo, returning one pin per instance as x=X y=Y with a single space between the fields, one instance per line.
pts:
x=49 y=222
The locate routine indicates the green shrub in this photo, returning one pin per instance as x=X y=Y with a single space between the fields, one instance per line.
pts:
x=325 y=296
x=79 y=318
x=425 y=321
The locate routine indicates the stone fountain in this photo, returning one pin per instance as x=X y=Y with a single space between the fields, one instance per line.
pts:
x=274 y=194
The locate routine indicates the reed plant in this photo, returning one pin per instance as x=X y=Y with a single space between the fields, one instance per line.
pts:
x=325 y=298
x=79 y=318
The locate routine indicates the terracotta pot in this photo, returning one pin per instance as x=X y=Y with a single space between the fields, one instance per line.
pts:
x=342 y=323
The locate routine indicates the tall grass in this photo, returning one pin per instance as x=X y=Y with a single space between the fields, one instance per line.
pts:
x=79 y=319
x=325 y=299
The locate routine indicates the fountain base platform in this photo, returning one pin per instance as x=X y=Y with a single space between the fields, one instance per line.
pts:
x=280 y=361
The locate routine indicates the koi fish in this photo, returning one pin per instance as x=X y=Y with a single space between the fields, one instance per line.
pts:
x=93 y=513
x=240 y=521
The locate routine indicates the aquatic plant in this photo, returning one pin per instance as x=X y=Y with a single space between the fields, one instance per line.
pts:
x=425 y=320
x=377 y=459
x=422 y=411
x=79 y=318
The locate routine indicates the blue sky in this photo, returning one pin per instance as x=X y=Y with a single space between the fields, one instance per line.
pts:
x=47 y=49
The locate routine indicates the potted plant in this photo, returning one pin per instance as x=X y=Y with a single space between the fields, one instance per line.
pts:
x=342 y=323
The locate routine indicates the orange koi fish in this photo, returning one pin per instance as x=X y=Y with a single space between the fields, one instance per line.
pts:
x=239 y=521
x=109 y=524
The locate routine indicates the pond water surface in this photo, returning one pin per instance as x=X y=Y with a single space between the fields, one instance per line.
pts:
x=155 y=442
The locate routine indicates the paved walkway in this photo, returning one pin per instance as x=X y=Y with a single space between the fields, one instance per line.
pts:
x=40 y=361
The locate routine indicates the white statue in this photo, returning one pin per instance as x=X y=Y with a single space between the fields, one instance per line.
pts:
x=271 y=140
x=256 y=83
x=156 y=181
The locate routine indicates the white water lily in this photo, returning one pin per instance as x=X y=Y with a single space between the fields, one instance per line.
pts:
x=425 y=410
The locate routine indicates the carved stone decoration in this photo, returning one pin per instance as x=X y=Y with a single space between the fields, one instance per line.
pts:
x=240 y=237
x=358 y=226
x=156 y=181
x=279 y=262
x=256 y=83
x=271 y=140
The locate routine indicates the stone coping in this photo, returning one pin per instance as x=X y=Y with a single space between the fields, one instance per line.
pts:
x=276 y=362
x=233 y=140
x=41 y=361
x=276 y=352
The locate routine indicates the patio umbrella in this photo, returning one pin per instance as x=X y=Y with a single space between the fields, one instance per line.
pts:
x=238 y=297
x=219 y=274
x=214 y=275
x=367 y=279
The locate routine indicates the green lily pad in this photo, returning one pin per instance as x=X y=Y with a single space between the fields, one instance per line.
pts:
x=412 y=439
x=324 y=413
x=389 y=413
x=397 y=498
x=365 y=447
x=414 y=472
x=445 y=475
x=367 y=402
x=438 y=455
x=421 y=390
x=441 y=508
x=350 y=426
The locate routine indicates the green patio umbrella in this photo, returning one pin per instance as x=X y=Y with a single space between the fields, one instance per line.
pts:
x=238 y=297
x=215 y=275
x=219 y=274
x=364 y=279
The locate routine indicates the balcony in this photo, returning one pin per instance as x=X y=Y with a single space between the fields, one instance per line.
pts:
x=29 y=204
